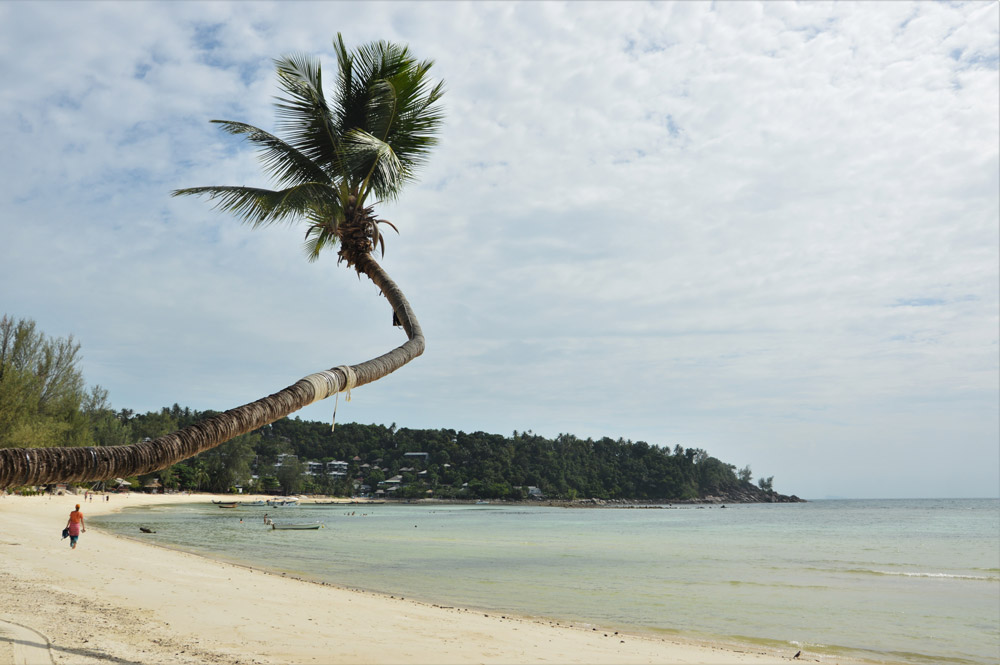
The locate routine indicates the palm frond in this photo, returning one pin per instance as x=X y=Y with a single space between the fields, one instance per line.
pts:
x=263 y=207
x=384 y=174
x=405 y=114
x=383 y=104
x=322 y=231
x=347 y=111
x=287 y=165
x=385 y=92
x=303 y=114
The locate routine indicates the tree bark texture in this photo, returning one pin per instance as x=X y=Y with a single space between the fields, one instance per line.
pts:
x=41 y=466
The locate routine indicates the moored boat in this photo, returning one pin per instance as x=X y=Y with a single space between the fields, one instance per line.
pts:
x=296 y=527
x=226 y=505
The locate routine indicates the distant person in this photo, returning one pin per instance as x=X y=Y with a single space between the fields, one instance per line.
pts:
x=75 y=526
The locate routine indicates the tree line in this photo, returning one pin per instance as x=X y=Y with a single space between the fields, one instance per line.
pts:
x=457 y=464
x=44 y=402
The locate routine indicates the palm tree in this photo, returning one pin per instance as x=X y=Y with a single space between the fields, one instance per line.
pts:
x=340 y=155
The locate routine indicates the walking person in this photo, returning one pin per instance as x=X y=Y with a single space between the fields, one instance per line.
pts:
x=75 y=526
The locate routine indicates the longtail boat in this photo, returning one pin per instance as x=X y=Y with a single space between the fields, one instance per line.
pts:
x=296 y=527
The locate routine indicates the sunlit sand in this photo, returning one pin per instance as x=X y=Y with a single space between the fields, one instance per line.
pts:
x=119 y=600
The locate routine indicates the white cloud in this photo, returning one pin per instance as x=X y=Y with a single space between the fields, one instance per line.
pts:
x=766 y=229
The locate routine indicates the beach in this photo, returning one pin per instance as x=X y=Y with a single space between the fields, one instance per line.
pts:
x=117 y=600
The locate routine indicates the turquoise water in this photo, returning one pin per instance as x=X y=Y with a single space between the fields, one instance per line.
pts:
x=914 y=581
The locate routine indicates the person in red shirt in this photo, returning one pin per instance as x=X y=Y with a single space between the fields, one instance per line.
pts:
x=75 y=526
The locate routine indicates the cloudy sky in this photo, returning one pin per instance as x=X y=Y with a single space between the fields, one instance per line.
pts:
x=766 y=230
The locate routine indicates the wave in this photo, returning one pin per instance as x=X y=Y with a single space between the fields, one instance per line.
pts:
x=951 y=576
x=777 y=585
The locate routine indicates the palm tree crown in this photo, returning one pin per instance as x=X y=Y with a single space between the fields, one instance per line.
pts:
x=364 y=142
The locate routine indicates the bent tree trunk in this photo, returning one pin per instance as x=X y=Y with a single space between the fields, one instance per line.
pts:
x=38 y=466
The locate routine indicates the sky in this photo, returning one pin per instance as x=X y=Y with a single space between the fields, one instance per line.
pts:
x=768 y=230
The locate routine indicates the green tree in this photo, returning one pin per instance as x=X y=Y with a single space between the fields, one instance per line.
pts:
x=342 y=150
x=108 y=429
x=153 y=424
x=42 y=391
x=168 y=477
x=290 y=475
x=269 y=449
x=229 y=464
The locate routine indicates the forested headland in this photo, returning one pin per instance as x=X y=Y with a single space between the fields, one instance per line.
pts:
x=44 y=401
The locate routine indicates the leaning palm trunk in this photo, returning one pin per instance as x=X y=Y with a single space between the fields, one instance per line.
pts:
x=38 y=466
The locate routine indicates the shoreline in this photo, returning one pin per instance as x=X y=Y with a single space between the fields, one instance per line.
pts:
x=118 y=599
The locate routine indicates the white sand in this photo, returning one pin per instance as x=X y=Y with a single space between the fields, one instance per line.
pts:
x=120 y=601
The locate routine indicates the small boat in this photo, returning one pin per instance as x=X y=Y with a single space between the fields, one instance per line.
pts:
x=219 y=502
x=227 y=505
x=282 y=502
x=296 y=527
x=252 y=503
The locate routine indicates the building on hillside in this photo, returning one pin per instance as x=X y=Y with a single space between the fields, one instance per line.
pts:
x=336 y=468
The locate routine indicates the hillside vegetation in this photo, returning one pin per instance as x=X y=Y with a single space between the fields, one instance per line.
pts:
x=457 y=464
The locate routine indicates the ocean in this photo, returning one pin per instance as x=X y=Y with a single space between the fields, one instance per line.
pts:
x=896 y=581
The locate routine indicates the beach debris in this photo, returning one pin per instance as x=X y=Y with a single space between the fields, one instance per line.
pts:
x=145 y=529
